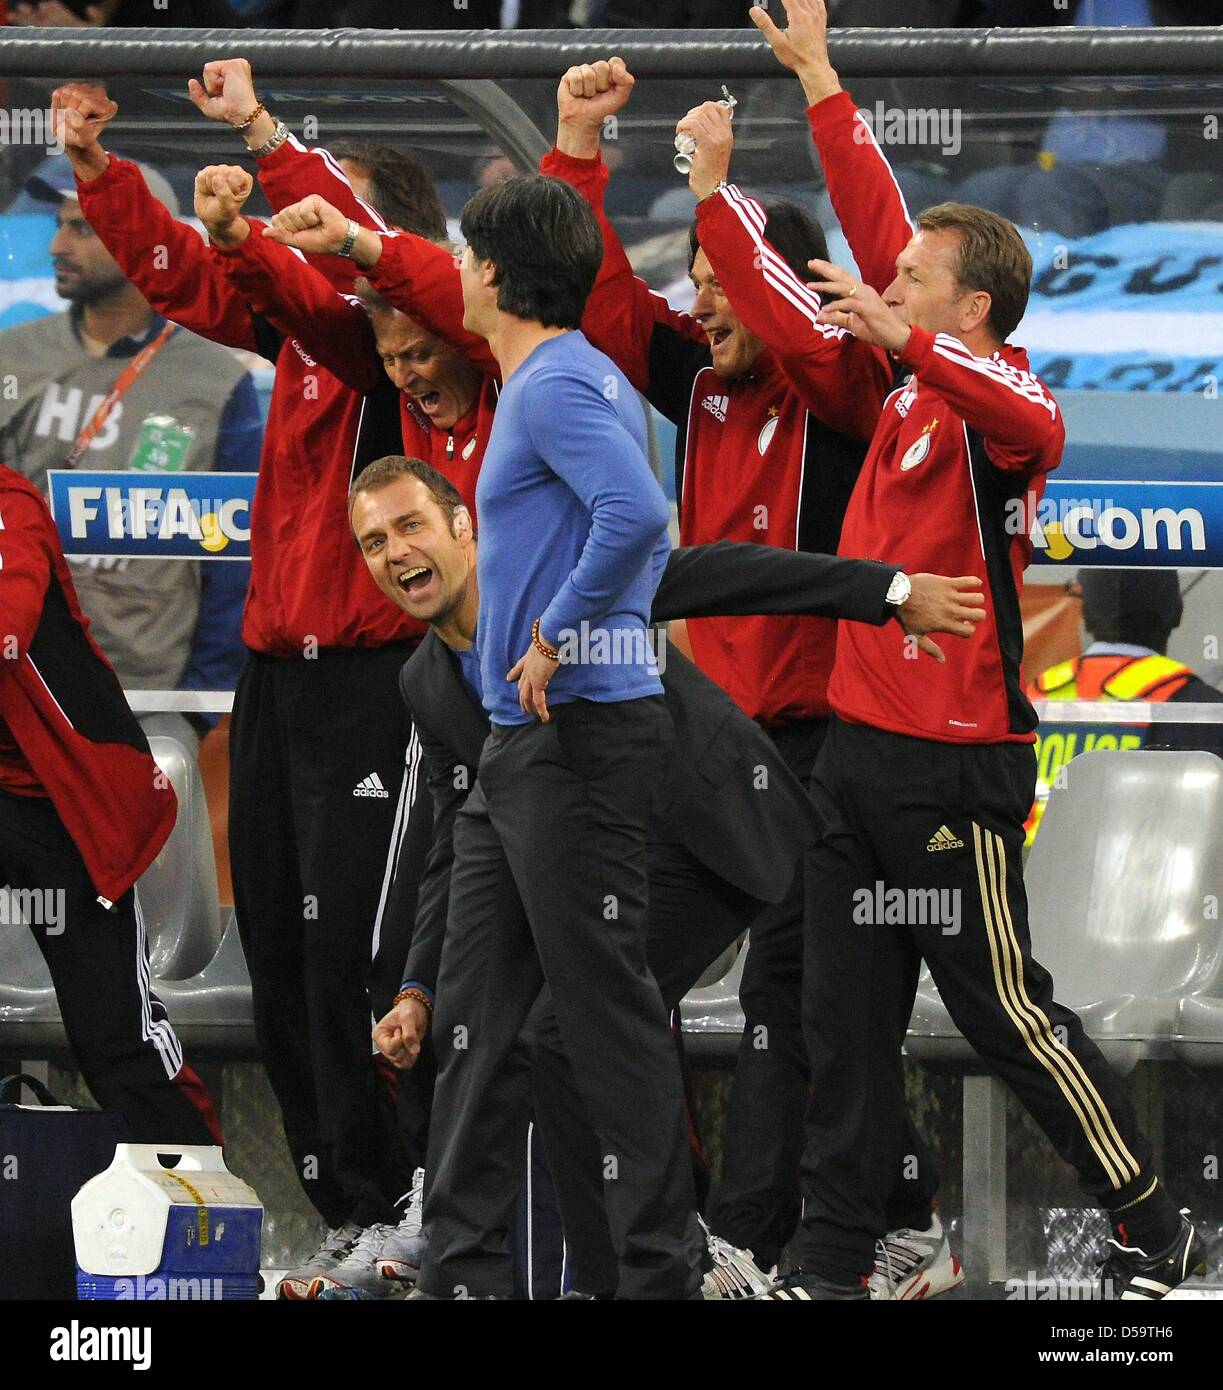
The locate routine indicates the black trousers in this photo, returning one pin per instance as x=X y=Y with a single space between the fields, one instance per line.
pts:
x=117 y=1028
x=694 y=917
x=550 y=886
x=921 y=858
x=323 y=774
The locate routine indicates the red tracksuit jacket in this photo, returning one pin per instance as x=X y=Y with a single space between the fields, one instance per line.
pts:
x=770 y=457
x=413 y=274
x=66 y=731
x=953 y=477
x=309 y=583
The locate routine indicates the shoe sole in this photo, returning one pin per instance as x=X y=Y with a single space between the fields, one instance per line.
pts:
x=399 y=1272
x=293 y=1292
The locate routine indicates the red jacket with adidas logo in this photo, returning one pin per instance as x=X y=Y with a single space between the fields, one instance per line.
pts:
x=955 y=470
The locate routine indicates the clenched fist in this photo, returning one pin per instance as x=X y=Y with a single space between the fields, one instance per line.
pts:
x=220 y=192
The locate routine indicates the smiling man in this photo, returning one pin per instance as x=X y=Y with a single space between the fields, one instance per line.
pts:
x=714 y=862
x=928 y=772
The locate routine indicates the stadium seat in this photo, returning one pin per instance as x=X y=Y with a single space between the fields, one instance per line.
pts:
x=179 y=901
x=1117 y=884
x=211 y=1011
x=713 y=1019
x=1131 y=843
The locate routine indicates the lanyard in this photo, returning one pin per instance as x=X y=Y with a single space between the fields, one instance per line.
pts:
x=116 y=393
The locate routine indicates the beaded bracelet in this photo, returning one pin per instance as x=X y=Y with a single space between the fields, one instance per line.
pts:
x=419 y=995
x=242 y=125
x=552 y=653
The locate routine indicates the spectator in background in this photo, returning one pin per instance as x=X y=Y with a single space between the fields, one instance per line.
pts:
x=137 y=14
x=1130 y=616
x=185 y=404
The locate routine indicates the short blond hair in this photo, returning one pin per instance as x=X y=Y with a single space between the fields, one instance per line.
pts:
x=991 y=257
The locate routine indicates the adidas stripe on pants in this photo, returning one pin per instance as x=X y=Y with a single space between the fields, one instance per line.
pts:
x=943 y=824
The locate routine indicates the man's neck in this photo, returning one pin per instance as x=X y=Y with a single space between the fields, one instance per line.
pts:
x=513 y=340
x=125 y=314
x=458 y=628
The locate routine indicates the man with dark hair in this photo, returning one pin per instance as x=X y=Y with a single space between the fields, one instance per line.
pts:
x=397 y=184
x=714 y=860
x=549 y=881
x=769 y=442
x=927 y=774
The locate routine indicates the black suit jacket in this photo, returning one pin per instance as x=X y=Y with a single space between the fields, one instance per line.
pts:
x=729 y=796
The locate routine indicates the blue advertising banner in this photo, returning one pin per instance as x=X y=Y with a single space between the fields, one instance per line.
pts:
x=1126 y=525
x=142 y=515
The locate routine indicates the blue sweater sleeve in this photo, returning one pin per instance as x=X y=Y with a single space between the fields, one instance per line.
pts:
x=582 y=439
x=216 y=646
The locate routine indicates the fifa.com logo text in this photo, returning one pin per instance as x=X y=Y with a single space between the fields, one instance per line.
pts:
x=29 y=126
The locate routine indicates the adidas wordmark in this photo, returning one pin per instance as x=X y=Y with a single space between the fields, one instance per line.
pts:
x=943 y=839
x=371 y=786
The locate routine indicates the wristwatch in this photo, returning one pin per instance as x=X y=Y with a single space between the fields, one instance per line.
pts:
x=899 y=589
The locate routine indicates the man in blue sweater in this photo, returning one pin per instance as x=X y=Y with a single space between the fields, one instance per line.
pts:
x=550 y=877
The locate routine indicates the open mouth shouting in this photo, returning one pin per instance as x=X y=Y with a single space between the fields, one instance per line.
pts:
x=415 y=580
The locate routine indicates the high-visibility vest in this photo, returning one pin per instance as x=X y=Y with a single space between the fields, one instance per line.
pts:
x=1111 y=677
x=1103 y=677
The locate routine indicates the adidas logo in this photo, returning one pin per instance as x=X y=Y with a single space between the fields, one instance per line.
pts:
x=371 y=786
x=717 y=407
x=943 y=839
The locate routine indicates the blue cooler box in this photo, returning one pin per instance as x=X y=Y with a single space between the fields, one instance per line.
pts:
x=147 y=1232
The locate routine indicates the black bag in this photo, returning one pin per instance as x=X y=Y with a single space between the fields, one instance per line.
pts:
x=46 y=1155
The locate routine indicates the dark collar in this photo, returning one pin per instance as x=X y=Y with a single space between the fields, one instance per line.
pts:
x=121 y=347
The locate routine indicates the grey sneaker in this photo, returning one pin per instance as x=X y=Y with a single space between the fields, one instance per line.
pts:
x=405 y=1246
x=735 y=1273
x=914 y=1264
x=358 y=1270
x=295 y=1283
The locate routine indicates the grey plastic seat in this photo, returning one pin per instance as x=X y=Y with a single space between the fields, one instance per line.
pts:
x=179 y=902
x=211 y=1011
x=713 y=1018
x=1128 y=854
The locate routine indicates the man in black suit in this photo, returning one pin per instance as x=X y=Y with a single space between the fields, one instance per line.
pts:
x=727 y=834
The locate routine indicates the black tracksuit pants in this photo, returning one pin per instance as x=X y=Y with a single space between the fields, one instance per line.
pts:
x=921 y=858
x=756 y=1203
x=117 y=1028
x=550 y=886
x=324 y=769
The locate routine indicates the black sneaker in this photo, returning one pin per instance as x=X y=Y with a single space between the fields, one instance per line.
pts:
x=1130 y=1273
x=808 y=1288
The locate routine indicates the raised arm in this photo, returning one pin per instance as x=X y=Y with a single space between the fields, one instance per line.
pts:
x=840 y=380
x=26 y=558
x=659 y=349
x=166 y=260
x=277 y=282
x=418 y=277
x=289 y=171
x=865 y=195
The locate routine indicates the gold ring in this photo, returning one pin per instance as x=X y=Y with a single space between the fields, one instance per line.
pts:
x=853 y=290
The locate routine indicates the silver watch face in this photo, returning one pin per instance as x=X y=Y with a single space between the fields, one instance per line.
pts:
x=899 y=589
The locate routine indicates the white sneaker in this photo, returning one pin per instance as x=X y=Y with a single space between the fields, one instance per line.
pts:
x=358 y=1271
x=735 y=1273
x=295 y=1283
x=914 y=1264
x=405 y=1246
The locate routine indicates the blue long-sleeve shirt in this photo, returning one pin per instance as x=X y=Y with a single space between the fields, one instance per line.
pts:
x=569 y=516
